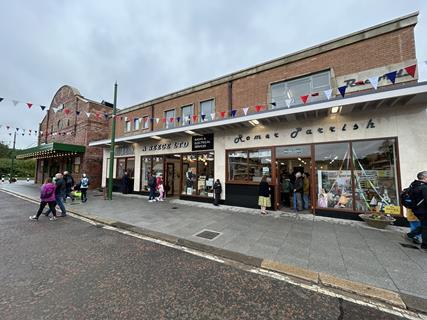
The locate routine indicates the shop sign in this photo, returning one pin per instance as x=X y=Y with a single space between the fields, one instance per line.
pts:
x=392 y=209
x=166 y=146
x=125 y=150
x=205 y=142
x=308 y=131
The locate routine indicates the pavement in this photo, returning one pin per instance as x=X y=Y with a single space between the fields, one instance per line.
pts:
x=70 y=269
x=341 y=254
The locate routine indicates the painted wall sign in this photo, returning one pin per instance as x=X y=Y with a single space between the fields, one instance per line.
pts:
x=205 y=142
x=125 y=150
x=166 y=146
x=309 y=131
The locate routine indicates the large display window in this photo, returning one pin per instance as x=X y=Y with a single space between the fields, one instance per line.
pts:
x=249 y=165
x=125 y=165
x=198 y=174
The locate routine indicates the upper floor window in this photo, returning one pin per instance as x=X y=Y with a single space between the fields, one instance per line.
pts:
x=145 y=123
x=127 y=126
x=206 y=108
x=135 y=123
x=186 y=114
x=169 y=115
x=290 y=91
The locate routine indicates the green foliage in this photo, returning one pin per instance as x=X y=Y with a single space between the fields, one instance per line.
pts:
x=22 y=168
x=4 y=151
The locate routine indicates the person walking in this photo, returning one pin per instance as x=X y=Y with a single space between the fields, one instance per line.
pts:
x=264 y=200
x=59 y=195
x=69 y=184
x=298 y=190
x=152 y=187
x=160 y=188
x=217 y=188
x=47 y=197
x=419 y=187
x=84 y=185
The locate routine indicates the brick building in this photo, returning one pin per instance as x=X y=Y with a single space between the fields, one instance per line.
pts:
x=340 y=111
x=69 y=124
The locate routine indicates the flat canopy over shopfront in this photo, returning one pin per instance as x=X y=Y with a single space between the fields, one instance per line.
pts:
x=51 y=150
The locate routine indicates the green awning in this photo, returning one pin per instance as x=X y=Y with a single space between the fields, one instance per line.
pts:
x=51 y=150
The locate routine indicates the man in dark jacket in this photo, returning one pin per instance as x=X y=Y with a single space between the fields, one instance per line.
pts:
x=59 y=194
x=420 y=189
x=217 y=188
x=298 y=190
x=69 y=184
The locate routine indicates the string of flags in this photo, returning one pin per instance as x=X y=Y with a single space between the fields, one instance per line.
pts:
x=21 y=131
x=289 y=101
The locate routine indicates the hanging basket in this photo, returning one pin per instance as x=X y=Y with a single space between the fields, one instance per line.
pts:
x=376 y=220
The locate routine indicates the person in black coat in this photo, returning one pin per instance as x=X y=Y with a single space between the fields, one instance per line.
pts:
x=125 y=183
x=264 y=200
x=217 y=188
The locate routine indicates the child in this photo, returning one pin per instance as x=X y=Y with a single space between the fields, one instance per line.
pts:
x=160 y=188
x=414 y=223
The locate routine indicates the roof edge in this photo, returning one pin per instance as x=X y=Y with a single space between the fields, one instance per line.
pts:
x=364 y=34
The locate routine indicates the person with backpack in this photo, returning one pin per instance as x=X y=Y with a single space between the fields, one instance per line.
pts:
x=415 y=198
x=47 y=197
x=217 y=188
x=69 y=184
x=59 y=195
x=84 y=185
x=152 y=187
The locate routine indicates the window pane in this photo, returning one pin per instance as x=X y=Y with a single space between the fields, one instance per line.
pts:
x=168 y=115
x=145 y=171
x=334 y=189
x=293 y=152
x=259 y=165
x=206 y=108
x=121 y=167
x=136 y=124
x=189 y=175
x=186 y=114
x=127 y=126
x=130 y=167
x=146 y=123
x=205 y=172
x=375 y=174
x=238 y=165
x=157 y=165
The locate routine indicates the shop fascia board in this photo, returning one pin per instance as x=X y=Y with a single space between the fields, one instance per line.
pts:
x=272 y=113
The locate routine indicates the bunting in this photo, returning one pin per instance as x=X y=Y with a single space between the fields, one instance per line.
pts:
x=288 y=102
x=374 y=82
x=304 y=99
x=328 y=93
x=245 y=110
x=233 y=113
x=342 y=90
x=392 y=76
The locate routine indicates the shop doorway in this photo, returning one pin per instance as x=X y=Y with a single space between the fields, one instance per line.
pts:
x=172 y=175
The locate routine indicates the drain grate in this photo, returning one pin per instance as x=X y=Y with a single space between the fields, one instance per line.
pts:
x=208 y=234
x=411 y=246
x=174 y=208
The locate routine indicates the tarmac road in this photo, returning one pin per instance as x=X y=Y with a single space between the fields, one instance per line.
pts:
x=69 y=269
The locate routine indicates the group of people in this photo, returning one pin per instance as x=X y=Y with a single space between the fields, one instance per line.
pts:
x=55 y=191
x=297 y=187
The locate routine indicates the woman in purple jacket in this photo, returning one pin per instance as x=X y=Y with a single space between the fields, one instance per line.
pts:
x=47 y=197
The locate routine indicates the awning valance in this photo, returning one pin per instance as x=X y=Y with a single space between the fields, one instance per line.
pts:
x=51 y=150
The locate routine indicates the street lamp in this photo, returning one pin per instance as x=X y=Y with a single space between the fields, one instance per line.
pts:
x=113 y=138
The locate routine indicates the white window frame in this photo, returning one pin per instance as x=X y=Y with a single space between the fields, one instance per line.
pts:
x=207 y=114
x=186 y=121
x=169 y=125
x=135 y=123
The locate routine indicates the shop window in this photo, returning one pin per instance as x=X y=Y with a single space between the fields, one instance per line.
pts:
x=168 y=115
x=189 y=174
x=146 y=166
x=259 y=165
x=375 y=174
x=313 y=85
x=135 y=123
x=130 y=167
x=206 y=108
x=334 y=187
x=238 y=165
x=125 y=165
x=186 y=114
x=157 y=165
x=205 y=170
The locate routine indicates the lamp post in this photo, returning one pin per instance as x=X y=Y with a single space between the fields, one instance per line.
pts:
x=113 y=138
x=13 y=158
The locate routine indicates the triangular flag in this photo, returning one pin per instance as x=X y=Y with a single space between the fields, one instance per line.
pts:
x=10 y=134
x=151 y=119
x=304 y=98
x=245 y=110
x=233 y=113
x=273 y=104
x=55 y=110
x=222 y=113
x=157 y=120
x=15 y=102
x=106 y=115
x=42 y=107
x=17 y=129
x=374 y=82
x=288 y=102
x=213 y=116
x=78 y=113
x=97 y=115
x=66 y=111
x=328 y=93
x=8 y=127
x=164 y=120
x=258 y=108
x=140 y=120
x=178 y=119
x=194 y=117
x=203 y=117
x=1 y=99
x=87 y=114
x=392 y=76
x=342 y=90
x=411 y=70
x=315 y=94
x=23 y=134
x=171 y=119
x=29 y=105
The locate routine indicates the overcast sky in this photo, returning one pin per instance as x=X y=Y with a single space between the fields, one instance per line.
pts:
x=155 y=47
